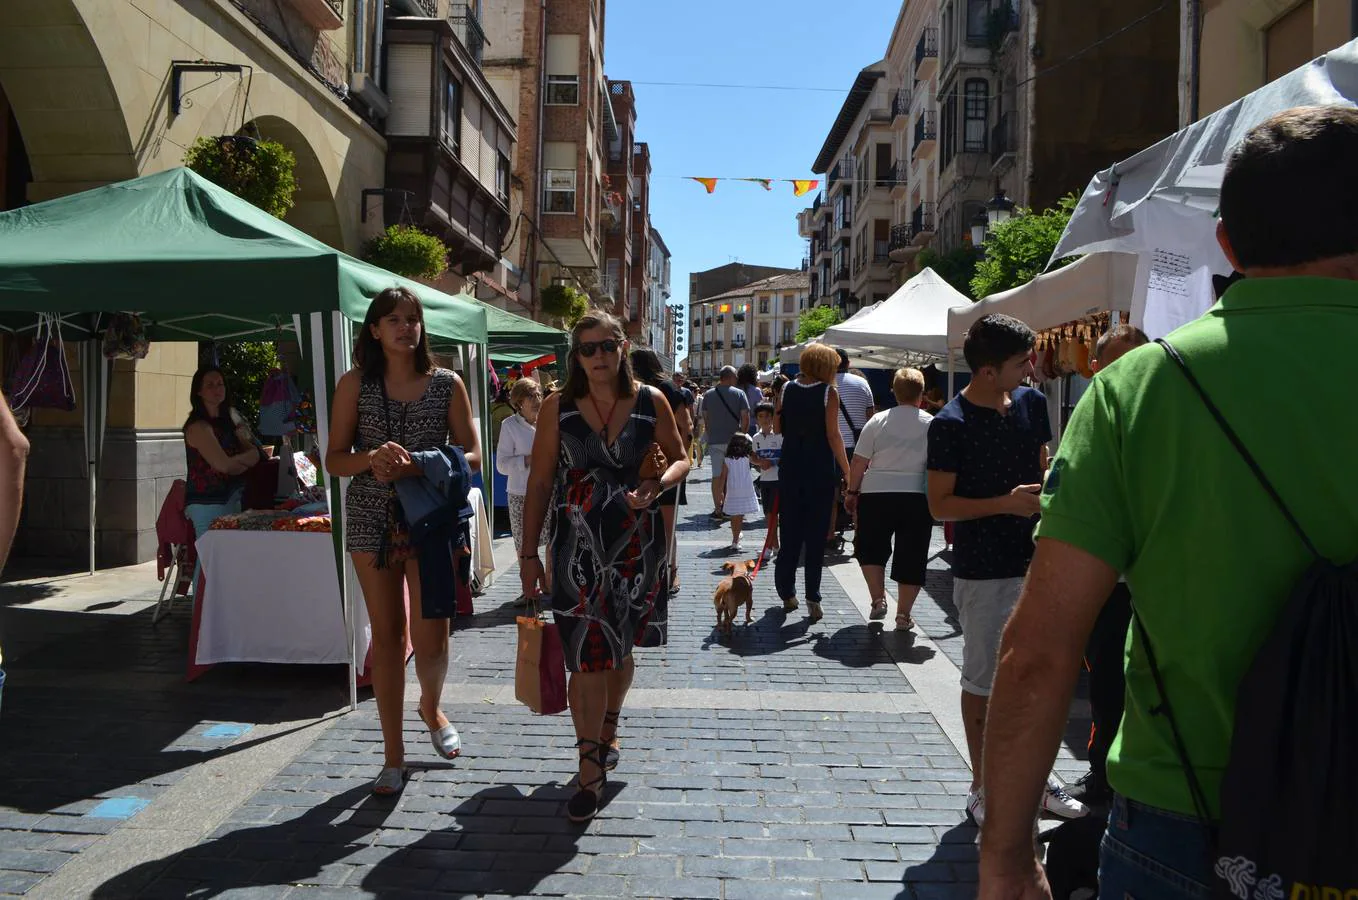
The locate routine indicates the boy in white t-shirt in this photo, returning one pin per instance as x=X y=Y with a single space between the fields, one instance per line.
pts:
x=768 y=448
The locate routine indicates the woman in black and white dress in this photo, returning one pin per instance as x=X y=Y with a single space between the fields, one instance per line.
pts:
x=396 y=400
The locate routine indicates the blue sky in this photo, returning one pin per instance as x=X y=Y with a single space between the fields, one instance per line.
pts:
x=737 y=133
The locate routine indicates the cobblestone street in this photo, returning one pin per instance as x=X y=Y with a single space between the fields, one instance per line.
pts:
x=789 y=761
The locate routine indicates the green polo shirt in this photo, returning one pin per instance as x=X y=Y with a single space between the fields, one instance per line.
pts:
x=1146 y=481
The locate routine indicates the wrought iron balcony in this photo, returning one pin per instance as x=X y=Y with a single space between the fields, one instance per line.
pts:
x=1004 y=137
x=467 y=26
x=926 y=129
x=842 y=274
x=927 y=49
x=922 y=222
x=900 y=104
x=880 y=249
x=900 y=237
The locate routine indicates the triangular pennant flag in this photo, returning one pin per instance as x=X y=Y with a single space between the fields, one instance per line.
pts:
x=803 y=187
x=766 y=182
x=709 y=183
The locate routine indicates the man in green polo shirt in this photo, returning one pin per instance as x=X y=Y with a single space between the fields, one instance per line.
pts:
x=1146 y=484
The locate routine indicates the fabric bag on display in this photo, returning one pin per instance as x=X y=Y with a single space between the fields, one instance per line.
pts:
x=125 y=337
x=1287 y=828
x=277 y=402
x=540 y=666
x=42 y=378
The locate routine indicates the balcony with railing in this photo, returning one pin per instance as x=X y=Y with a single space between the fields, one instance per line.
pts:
x=1004 y=139
x=926 y=135
x=841 y=274
x=467 y=26
x=719 y=345
x=428 y=9
x=900 y=179
x=922 y=224
x=900 y=110
x=900 y=245
x=738 y=317
x=880 y=251
x=926 y=54
x=738 y=343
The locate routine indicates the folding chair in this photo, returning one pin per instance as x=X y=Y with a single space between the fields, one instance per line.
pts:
x=175 y=555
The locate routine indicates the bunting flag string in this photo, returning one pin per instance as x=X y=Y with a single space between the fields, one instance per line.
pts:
x=799 y=186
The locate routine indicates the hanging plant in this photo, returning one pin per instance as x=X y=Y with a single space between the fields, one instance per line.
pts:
x=564 y=302
x=408 y=251
x=261 y=172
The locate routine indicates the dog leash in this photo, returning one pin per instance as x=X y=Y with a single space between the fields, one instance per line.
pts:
x=768 y=540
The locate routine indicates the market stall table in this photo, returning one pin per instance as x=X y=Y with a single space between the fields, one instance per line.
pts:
x=274 y=597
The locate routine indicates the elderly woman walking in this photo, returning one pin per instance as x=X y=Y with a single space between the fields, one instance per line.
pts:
x=812 y=464
x=887 y=497
x=610 y=549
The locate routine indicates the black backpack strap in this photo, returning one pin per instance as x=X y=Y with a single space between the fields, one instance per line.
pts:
x=855 y=431
x=1239 y=445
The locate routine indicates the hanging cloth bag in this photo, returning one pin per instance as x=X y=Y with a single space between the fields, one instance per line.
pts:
x=540 y=666
x=42 y=379
x=277 y=401
x=125 y=337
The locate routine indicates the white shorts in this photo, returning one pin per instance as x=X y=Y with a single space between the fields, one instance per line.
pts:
x=983 y=609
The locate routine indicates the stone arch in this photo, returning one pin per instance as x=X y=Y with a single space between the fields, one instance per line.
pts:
x=314 y=210
x=68 y=92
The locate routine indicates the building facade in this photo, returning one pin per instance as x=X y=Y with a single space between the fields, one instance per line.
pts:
x=86 y=99
x=545 y=61
x=747 y=324
x=1247 y=43
x=711 y=282
x=657 y=320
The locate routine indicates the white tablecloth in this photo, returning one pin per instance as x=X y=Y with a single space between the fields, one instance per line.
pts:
x=273 y=596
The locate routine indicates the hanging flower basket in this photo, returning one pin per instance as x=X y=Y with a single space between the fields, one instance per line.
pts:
x=261 y=172
x=407 y=251
x=564 y=302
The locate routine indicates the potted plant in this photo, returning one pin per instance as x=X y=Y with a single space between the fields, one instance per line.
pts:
x=408 y=251
x=261 y=172
x=564 y=302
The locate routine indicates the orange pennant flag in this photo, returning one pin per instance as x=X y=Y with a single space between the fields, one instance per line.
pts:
x=803 y=187
x=709 y=183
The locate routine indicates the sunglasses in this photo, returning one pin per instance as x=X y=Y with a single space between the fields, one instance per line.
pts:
x=587 y=349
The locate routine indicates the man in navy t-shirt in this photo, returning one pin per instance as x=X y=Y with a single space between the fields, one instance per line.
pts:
x=987 y=453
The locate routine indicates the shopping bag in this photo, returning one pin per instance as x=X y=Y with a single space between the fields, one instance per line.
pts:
x=125 y=337
x=540 y=668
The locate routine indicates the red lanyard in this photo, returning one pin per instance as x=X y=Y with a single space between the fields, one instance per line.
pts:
x=603 y=433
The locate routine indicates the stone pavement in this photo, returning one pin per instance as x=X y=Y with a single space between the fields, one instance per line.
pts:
x=788 y=761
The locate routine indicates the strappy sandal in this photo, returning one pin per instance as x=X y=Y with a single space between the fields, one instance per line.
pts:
x=391 y=781
x=878 y=610
x=447 y=742
x=610 y=751
x=904 y=622
x=585 y=804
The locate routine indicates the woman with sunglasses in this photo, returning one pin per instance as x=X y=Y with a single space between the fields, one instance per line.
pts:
x=610 y=549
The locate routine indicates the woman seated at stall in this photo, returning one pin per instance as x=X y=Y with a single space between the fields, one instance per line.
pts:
x=220 y=449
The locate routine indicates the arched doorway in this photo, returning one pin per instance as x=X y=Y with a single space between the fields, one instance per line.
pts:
x=313 y=210
x=15 y=170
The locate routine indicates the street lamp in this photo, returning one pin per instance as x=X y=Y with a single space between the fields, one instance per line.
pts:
x=978 y=228
x=999 y=209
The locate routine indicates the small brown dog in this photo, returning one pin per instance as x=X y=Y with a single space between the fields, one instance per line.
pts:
x=732 y=592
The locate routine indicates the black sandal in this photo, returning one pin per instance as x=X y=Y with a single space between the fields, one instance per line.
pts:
x=610 y=746
x=585 y=804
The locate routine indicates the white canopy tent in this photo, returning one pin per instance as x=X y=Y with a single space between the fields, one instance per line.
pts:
x=1162 y=203
x=908 y=328
x=1098 y=283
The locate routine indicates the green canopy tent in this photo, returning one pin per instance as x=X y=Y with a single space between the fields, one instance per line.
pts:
x=198 y=263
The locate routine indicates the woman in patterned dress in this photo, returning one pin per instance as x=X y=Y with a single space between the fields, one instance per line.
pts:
x=393 y=401
x=610 y=556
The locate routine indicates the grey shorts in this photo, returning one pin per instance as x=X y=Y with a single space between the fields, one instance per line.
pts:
x=983 y=608
x=718 y=457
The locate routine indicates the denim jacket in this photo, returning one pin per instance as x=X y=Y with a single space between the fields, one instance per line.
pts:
x=436 y=507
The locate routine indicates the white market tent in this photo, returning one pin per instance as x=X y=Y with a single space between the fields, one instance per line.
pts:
x=909 y=326
x=1161 y=203
x=1097 y=283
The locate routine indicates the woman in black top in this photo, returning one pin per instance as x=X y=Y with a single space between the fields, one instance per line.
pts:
x=647 y=370
x=811 y=467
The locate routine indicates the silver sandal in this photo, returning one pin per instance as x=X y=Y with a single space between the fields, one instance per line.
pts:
x=447 y=742
x=391 y=781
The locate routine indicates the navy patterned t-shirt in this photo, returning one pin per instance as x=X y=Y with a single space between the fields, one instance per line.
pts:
x=991 y=454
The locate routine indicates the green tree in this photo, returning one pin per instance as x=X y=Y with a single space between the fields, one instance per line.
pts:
x=816 y=320
x=957 y=267
x=245 y=367
x=1017 y=251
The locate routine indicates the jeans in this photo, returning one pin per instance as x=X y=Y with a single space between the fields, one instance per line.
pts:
x=1153 y=854
x=202 y=515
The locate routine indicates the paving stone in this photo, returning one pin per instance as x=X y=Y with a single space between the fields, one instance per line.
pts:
x=667 y=888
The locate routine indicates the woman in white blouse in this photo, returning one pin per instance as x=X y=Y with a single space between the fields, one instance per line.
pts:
x=887 y=497
x=515 y=449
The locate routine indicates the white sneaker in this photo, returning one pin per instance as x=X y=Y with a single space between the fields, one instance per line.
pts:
x=976 y=807
x=1058 y=802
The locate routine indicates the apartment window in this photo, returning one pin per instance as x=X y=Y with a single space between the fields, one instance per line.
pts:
x=884 y=172
x=763 y=306
x=978 y=21
x=763 y=332
x=559 y=191
x=451 y=118
x=563 y=90
x=789 y=303
x=502 y=177
x=789 y=332
x=976 y=111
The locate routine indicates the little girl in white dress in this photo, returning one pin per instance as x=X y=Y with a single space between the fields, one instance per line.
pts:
x=735 y=486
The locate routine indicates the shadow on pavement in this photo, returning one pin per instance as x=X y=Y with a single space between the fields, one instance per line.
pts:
x=855 y=646
x=770 y=633
x=296 y=851
x=950 y=873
